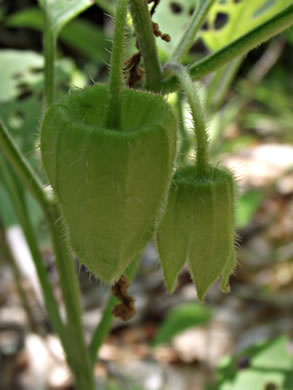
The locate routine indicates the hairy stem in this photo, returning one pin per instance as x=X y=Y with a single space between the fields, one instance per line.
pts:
x=116 y=72
x=202 y=158
x=146 y=41
x=185 y=140
x=76 y=351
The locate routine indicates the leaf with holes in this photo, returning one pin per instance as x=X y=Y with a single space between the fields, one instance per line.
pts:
x=60 y=12
x=265 y=366
x=229 y=19
x=173 y=17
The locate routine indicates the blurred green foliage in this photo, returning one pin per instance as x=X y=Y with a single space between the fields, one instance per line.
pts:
x=179 y=318
x=267 y=366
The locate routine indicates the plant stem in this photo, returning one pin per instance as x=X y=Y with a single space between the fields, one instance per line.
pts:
x=238 y=47
x=103 y=328
x=147 y=45
x=22 y=168
x=189 y=36
x=220 y=83
x=116 y=72
x=46 y=286
x=70 y=291
x=77 y=354
x=202 y=158
x=18 y=279
x=185 y=140
x=49 y=52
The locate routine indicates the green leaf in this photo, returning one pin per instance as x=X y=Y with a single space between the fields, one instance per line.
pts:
x=247 y=206
x=173 y=18
x=228 y=20
x=16 y=69
x=179 y=318
x=60 y=12
x=258 y=368
x=7 y=211
x=79 y=34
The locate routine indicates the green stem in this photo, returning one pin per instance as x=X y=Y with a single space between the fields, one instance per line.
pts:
x=49 y=52
x=70 y=291
x=76 y=351
x=238 y=47
x=202 y=158
x=22 y=168
x=18 y=279
x=147 y=45
x=189 y=36
x=220 y=83
x=116 y=72
x=46 y=286
x=103 y=328
x=185 y=140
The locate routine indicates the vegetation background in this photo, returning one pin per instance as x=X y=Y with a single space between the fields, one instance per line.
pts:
x=234 y=341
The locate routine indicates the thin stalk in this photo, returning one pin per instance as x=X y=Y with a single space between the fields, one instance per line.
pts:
x=280 y=22
x=220 y=84
x=185 y=140
x=146 y=42
x=25 y=222
x=103 y=328
x=116 y=72
x=188 y=38
x=22 y=168
x=18 y=279
x=70 y=291
x=76 y=351
x=49 y=53
x=202 y=158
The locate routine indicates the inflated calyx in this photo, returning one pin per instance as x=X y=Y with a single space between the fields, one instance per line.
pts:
x=198 y=228
x=111 y=183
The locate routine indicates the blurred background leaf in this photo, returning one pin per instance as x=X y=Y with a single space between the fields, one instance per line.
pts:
x=266 y=366
x=179 y=318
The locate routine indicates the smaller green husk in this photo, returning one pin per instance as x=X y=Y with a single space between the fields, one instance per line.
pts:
x=198 y=228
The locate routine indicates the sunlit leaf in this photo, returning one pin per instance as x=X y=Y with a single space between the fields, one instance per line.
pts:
x=179 y=318
x=262 y=367
x=247 y=206
x=228 y=20
x=16 y=69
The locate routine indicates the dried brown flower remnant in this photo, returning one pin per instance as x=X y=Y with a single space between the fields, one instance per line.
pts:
x=158 y=33
x=134 y=72
x=155 y=4
x=124 y=310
